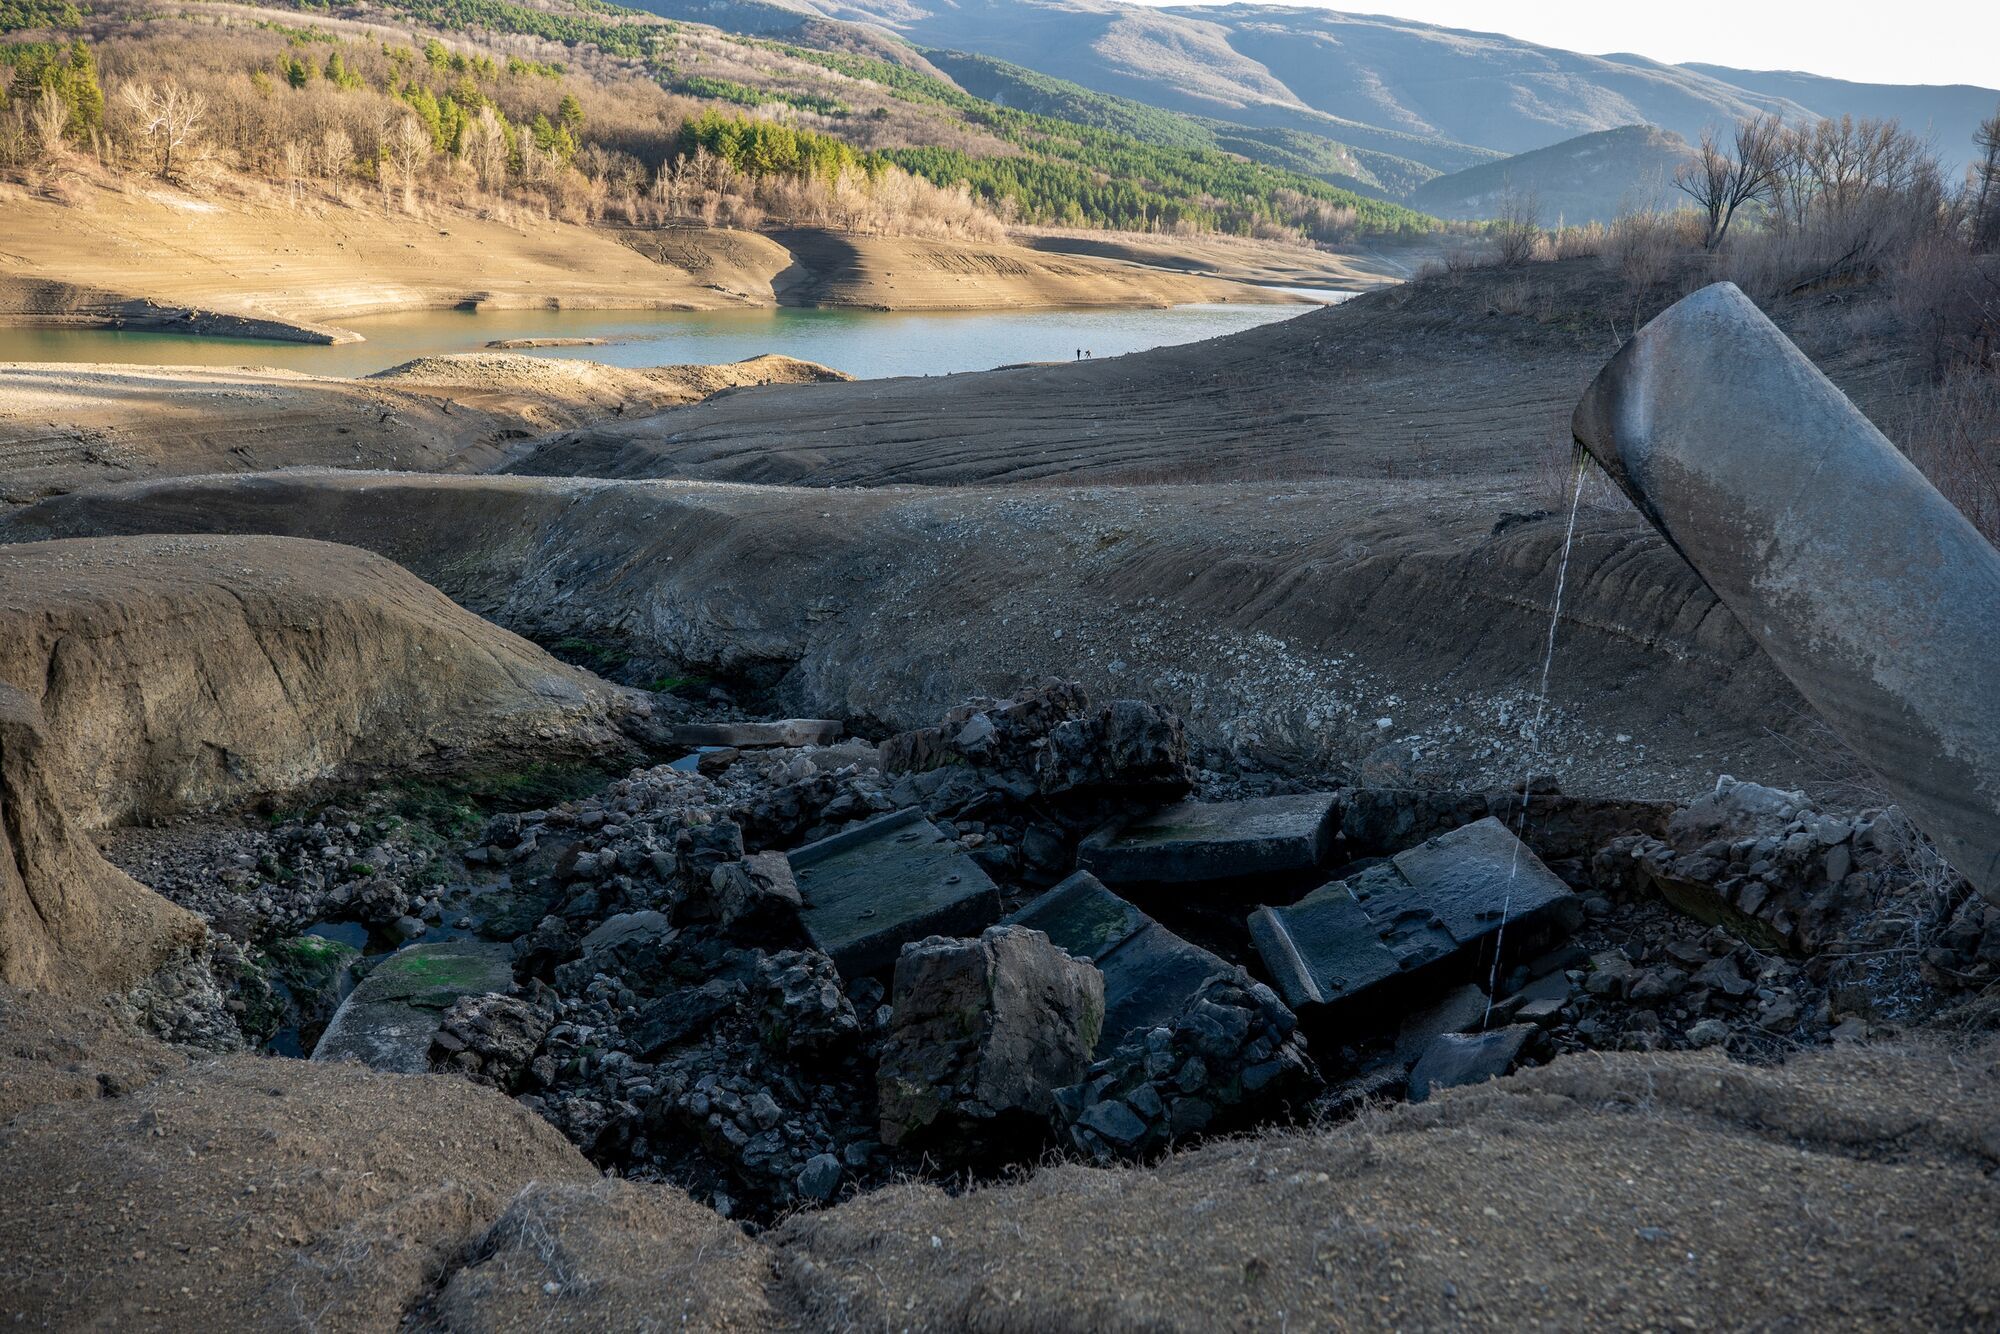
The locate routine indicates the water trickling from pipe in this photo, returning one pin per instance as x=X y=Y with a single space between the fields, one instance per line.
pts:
x=1535 y=732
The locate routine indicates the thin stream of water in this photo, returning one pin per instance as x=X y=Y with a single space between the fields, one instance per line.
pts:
x=1535 y=734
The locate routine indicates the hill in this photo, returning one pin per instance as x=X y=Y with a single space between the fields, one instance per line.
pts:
x=1356 y=76
x=593 y=112
x=1947 y=114
x=1591 y=178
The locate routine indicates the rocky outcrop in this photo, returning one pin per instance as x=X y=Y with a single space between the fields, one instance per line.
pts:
x=143 y=678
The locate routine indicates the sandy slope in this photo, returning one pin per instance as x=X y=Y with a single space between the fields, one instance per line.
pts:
x=908 y=273
x=65 y=425
x=147 y=256
x=1848 y=1189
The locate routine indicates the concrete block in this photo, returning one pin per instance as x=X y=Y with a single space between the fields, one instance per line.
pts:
x=872 y=889
x=1198 y=841
x=1149 y=972
x=389 y=1020
x=1434 y=903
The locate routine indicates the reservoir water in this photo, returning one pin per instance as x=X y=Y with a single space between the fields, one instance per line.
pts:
x=864 y=343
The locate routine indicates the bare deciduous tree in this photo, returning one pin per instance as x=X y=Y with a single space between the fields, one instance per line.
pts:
x=170 y=117
x=1986 y=184
x=1720 y=182
x=410 y=147
x=48 y=117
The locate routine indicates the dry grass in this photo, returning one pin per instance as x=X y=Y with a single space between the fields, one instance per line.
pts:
x=1952 y=432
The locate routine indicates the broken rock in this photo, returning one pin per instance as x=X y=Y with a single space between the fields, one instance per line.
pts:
x=1457 y=1059
x=984 y=1032
x=492 y=1038
x=1232 y=1055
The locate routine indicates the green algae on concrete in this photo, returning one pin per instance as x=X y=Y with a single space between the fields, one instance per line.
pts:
x=390 y=1019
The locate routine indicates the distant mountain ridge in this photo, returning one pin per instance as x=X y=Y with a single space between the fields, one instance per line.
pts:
x=1348 y=77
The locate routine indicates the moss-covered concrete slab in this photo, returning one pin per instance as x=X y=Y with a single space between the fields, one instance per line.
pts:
x=389 y=1020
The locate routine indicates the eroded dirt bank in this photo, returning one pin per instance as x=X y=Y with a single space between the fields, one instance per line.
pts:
x=1277 y=618
x=147 y=677
x=156 y=258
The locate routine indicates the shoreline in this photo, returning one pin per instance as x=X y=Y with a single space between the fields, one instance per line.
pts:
x=246 y=267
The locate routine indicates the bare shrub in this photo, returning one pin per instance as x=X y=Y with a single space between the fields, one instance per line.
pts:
x=1644 y=249
x=1517 y=226
x=1566 y=476
x=1559 y=243
x=1952 y=433
x=1947 y=300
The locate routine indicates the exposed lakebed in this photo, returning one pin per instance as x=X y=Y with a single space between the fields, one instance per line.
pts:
x=866 y=344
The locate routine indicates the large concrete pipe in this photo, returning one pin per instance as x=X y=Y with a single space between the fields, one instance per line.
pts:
x=1871 y=592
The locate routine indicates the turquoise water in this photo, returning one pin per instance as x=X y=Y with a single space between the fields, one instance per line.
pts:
x=867 y=344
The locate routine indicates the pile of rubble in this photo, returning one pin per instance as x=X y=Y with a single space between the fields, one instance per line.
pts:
x=774 y=972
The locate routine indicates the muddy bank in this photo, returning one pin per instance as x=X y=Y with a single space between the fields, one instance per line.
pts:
x=65 y=426
x=145 y=678
x=1470 y=379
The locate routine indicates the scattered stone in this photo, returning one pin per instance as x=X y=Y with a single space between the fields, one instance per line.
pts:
x=1195 y=841
x=1051 y=741
x=984 y=1032
x=1231 y=1056
x=756 y=898
x=1707 y=1033
x=820 y=1178
x=1460 y=1009
x=1150 y=974
x=871 y=890
x=491 y=1038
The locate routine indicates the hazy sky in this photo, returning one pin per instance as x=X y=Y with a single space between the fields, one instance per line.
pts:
x=1911 y=41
